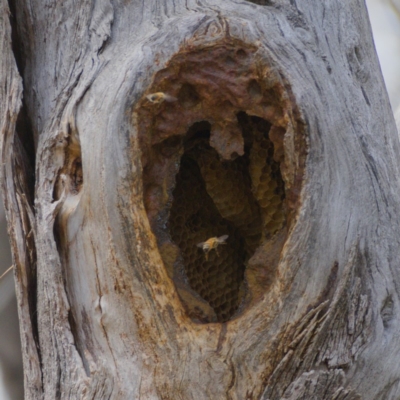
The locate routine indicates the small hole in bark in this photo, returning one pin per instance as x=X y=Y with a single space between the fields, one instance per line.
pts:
x=387 y=312
x=262 y=2
x=70 y=177
x=76 y=176
x=24 y=144
x=357 y=52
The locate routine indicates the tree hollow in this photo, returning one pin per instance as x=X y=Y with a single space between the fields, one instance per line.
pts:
x=212 y=132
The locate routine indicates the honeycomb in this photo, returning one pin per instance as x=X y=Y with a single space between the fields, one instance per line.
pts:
x=229 y=186
x=194 y=218
x=267 y=183
x=212 y=162
x=242 y=198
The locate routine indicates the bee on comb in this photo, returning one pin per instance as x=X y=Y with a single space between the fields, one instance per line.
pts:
x=211 y=244
x=159 y=97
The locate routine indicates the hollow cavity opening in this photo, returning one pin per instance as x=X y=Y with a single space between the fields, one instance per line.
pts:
x=222 y=152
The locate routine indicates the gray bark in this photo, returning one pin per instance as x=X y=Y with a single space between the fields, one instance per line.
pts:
x=115 y=299
x=10 y=344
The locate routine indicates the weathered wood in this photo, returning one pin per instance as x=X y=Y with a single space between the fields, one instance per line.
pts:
x=15 y=194
x=10 y=344
x=111 y=310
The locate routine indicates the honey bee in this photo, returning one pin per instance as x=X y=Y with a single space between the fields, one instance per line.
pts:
x=159 y=97
x=211 y=244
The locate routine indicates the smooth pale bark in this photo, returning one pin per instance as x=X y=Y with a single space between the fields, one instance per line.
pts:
x=100 y=315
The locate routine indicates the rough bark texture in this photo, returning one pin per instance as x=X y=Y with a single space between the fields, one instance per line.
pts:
x=274 y=128
x=10 y=345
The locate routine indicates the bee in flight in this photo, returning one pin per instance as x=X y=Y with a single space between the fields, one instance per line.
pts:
x=212 y=243
x=159 y=97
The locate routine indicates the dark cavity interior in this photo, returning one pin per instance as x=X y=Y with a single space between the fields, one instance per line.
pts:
x=213 y=165
x=242 y=198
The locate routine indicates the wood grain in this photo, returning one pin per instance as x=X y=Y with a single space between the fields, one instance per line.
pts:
x=109 y=320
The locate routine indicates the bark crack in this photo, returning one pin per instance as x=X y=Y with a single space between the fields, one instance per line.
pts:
x=100 y=294
x=326 y=340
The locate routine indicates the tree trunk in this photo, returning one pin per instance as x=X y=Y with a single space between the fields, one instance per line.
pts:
x=10 y=345
x=154 y=126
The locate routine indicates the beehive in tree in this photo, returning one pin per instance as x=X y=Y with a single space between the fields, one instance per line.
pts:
x=148 y=129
